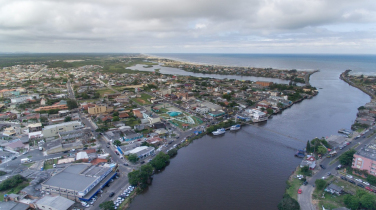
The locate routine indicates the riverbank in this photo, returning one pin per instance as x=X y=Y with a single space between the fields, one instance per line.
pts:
x=345 y=77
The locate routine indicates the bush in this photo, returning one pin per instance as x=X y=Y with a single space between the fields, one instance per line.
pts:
x=320 y=184
x=160 y=161
x=172 y=152
x=288 y=203
x=11 y=182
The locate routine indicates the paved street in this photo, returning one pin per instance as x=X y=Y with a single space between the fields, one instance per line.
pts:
x=304 y=199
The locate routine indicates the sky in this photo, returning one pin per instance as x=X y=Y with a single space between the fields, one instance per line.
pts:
x=189 y=26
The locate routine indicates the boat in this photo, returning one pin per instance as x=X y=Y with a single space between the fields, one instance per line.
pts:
x=219 y=131
x=235 y=127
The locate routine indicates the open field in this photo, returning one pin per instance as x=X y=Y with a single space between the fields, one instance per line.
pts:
x=105 y=91
x=143 y=100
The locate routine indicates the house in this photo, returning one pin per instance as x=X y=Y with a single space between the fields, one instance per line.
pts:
x=310 y=161
x=264 y=84
x=334 y=189
x=53 y=130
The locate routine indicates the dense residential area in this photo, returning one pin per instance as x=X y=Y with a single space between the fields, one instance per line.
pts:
x=92 y=135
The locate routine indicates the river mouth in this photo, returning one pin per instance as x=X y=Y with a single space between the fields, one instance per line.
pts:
x=248 y=169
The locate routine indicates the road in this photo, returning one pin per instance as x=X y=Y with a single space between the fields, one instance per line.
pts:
x=305 y=199
x=31 y=77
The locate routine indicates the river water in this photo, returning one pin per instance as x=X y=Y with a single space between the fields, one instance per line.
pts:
x=248 y=169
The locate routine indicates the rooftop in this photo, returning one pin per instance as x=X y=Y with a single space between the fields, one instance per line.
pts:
x=60 y=124
x=369 y=151
x=57 y=202
x=77 y=176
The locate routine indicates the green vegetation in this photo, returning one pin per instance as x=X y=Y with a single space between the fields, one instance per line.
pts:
x=143 y=100
x=320 y=184
x=172 y=152
x=160 y=161
x=133 y=158
x=292 y=188
x=371 y=179
x=11 y=182
x=67 y=119
x=72 y=104
x=347 y=157
x=104 y=91
x=141 y=177
x=107 y=205
x=49 y=164
x=288 y=203
x=2 y=173
x=117 y=143
x=318 y=146
x=305 y=171
x=361 y=200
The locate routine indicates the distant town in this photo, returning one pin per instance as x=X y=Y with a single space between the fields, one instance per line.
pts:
x=88 y=133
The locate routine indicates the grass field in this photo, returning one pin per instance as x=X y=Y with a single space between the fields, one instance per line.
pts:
x=143 y=100
x=293 y=190
x=105 y=91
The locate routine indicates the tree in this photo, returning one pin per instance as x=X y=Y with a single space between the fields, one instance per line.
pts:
x=351 y=202
x=72 y=104
x=172 y=152
x=288 y=203
x=227 y=96
x=133 y=158
x=347 y=157
x=116 y=118
x=67 y=119
x=367 y=201
x=117 y=143
x=321 y=150
x=270 y=111
x=115 y=114
x=160 y=161
x=308 y=147
x=371 y=179
x=43 y=119
x=107 y=205
x=320 y=184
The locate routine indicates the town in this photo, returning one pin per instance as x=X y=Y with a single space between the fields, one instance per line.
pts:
x=78 y=135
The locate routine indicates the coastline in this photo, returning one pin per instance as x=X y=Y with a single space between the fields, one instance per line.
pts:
x=293 y=75
x=344 y=77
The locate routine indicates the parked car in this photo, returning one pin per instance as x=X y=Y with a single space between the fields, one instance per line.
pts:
x=366 y=183
x=112 y=194
x=359 y=180
x=360 y=185
x=369 y=189
x=351 y=181
x=323 y=167
x=344 y=178
x=300 y=191
x=305 y=183
x=338 y=167
x=349 y=176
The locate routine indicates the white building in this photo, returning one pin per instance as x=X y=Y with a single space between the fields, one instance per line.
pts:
x=202 y=110
x=141 y=152
x=24 y=98
x=53 y=130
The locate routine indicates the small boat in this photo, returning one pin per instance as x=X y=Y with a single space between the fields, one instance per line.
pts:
x=235 y=127
x=219 y=131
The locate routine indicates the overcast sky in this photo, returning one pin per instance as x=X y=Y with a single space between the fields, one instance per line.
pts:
x=189 y=26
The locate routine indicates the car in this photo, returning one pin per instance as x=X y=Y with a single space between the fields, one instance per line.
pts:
x=329 y=173
x=360 y=185
x=300 y=191
x=125 y=164
x=85 y=148
x=323 y=167
x=323 y=177
x=366 y=183
x=359 y=180
x=111 y=194
x=351 y=181
x=344 y=178
x=305 y=183
x=349 y=176
x=142 y=162
x=369 y=189
x=338 y=167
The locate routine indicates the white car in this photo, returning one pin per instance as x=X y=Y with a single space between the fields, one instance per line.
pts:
x=349 y=176
x=366 y=183
x=358 y=180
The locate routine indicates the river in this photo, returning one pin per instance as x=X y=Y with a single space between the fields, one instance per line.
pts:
x=248 y=169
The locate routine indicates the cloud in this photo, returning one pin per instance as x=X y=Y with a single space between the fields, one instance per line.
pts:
x=171 y=26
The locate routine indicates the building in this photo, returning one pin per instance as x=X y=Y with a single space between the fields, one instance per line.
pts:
x=80 y=181
x=264 y=84
x=100 y=109
x=53 y=130
x=131 y=135
x=202 y=110
x=24 y=98
x=11 y=205
x=365 y=159
x=53 y=203
x=141 y=152
x=46 y=108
